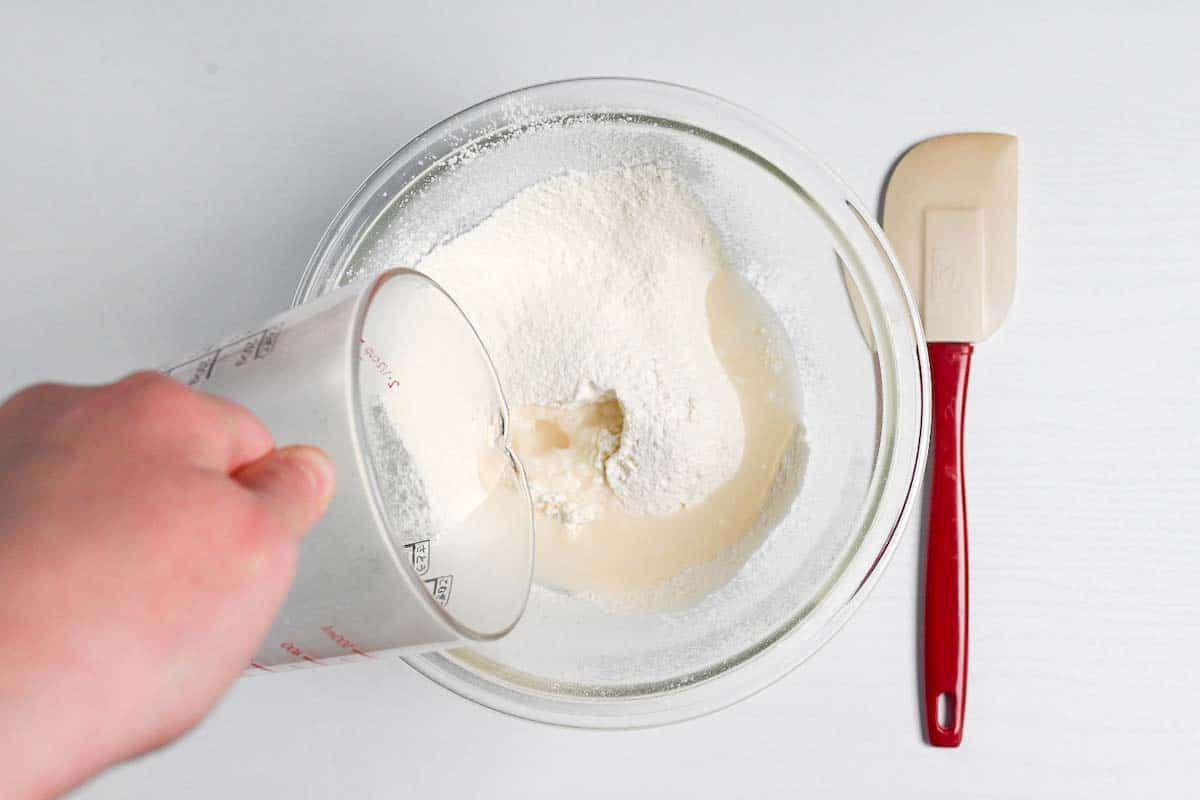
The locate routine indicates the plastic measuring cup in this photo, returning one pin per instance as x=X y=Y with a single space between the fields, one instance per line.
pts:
x=428 y=541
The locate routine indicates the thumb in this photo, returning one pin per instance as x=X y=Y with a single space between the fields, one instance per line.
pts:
x=296 y=483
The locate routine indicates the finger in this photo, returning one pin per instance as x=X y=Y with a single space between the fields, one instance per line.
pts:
x=295 y=483
x=209 y=431
x=245 y=438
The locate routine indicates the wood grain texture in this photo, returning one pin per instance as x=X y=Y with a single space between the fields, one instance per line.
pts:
x=165 y=174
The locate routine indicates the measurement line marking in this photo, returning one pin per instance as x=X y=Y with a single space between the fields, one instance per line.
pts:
x=213 y=363
x=245 y=338
x=342 y=641
x=266 y=341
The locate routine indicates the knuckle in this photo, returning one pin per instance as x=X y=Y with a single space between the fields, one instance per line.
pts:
x=151 y=388
x=153 y=407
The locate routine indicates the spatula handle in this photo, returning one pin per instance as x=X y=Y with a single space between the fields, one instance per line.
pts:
x=946 y=554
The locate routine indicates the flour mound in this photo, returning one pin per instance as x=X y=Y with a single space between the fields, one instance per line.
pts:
x=590 y=284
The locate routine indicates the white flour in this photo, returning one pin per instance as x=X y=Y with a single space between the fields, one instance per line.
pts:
x=589 y=286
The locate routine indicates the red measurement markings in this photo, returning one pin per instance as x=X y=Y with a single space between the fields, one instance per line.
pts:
x=342 y=641
x=257 y=665
x=381 y=366
x=297 y=652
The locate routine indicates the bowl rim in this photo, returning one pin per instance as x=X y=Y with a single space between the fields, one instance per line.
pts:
x=774 y=657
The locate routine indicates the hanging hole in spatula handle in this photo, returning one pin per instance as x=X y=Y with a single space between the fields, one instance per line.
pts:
x=946 y=550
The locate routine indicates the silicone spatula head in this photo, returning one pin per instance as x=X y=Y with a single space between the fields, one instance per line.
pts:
x=950 y=213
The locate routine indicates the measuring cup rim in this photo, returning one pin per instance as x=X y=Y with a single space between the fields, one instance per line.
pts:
x=367 y=472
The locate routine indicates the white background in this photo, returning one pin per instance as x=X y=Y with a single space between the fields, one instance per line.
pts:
x=165 y=173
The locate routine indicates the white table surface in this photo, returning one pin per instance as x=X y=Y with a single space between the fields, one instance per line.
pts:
x=165 y=173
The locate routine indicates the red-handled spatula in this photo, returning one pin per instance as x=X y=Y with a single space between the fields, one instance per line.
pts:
x=951 y=215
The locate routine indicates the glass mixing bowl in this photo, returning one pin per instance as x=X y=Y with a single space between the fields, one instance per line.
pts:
x=810 y=248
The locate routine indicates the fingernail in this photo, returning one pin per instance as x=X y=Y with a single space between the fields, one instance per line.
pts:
x=317 y=465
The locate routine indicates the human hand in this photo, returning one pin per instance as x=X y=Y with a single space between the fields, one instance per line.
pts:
x=148 y=536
